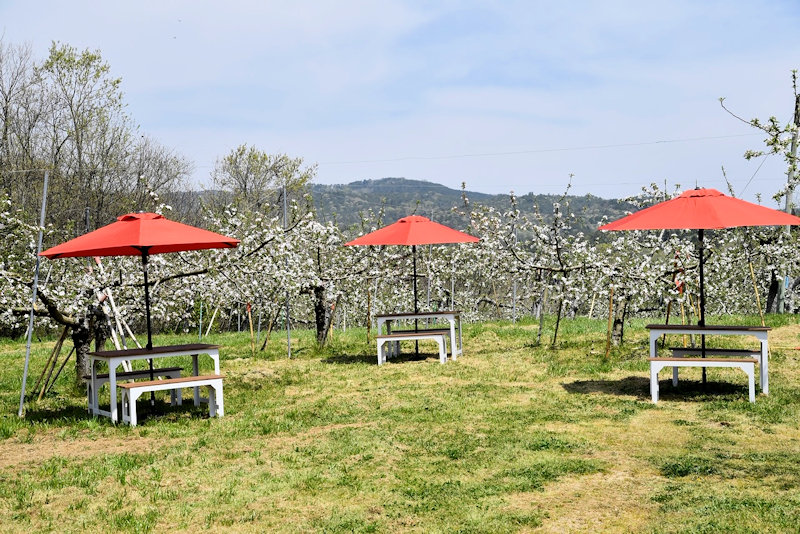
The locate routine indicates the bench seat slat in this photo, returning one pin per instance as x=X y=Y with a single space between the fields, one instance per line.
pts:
x=430 y=334
x=421 y=331
x=176 y=381
x=713 y=360
x=715 y=350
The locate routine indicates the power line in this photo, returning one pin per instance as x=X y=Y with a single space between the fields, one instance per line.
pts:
x=535 y=151
x=754 y=174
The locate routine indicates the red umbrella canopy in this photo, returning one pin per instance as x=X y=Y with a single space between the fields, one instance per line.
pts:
x=413 y=230
x=702 y=209
x=136 y=233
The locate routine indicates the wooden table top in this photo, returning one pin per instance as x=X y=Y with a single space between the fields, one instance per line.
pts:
x=698 y=328
x=412 y=314
x=190 y=348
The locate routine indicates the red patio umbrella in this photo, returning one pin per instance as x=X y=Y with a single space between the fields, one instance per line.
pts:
x=141 y=234
x=414 y=230
x=702 y=209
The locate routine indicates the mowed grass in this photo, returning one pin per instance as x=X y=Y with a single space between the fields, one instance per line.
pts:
x=514 y=436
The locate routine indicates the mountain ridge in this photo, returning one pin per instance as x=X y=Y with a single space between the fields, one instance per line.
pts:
x=344 y=203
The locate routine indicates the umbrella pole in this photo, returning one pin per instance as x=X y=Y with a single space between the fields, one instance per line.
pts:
x=702 y=321
x=416 y=310
x=145 y=256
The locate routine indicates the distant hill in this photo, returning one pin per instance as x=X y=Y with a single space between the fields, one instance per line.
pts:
x=343 y=203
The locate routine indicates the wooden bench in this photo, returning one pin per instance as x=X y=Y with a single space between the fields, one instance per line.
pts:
x=682 y=352
x=423 y=330
x=439 y=336
x=102 y=378
x=745 y=364
x=394 y=347
x=132 y=390
x=679 y=352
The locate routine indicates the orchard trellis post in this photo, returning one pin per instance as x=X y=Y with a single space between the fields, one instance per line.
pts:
x=286 y=263
x=21 y=411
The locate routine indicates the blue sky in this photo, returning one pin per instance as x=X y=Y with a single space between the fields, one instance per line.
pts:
x=500 y=95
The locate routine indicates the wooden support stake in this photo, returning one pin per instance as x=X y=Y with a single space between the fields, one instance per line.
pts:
x=269 y=329
x=50 y=363
x=211 y=322
x=664 y=337
x=54 y=357
x=369 y=317
x=683 y=322
x=694 y=311
x=758 y=301
x=755 y=290
x=252 y=334
x=52 y=383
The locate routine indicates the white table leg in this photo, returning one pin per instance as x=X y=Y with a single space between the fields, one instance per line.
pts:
x=764 y=367
x=453 y=349
x=653 y=337
x=112 y=384
x=196 y=372
x=219 y=404
x=93 y=387
x=460 y=342
x=393 y=348
x=751 y=382
x=654 y=381
x=212 y=401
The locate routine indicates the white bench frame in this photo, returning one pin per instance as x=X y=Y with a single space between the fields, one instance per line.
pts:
x=745 y=364
x=761 y=333
x=453 y=318
x=439 y=337
x=682 y=352
x=169 y=372
x=131 y=392
x=394 y=346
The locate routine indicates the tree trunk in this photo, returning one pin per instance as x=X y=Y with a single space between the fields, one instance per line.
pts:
x=772 y=295
x=82 y=339
x=323 y=314
x=558 y=320
x=618 y=328
x=88 y=328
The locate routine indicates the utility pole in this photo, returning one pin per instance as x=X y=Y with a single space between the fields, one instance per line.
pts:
x=790 y=178
x=21 y=411
x=286 y=264
x=514 y=288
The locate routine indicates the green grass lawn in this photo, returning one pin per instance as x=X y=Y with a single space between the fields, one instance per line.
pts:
x=512 y=437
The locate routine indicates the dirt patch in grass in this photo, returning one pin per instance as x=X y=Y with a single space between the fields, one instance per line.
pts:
x=15 y=454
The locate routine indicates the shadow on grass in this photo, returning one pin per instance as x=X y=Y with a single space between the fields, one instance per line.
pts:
x=630 y=385
x=639 y=386
x=348 y=359
x=67 y=414
x=74 y=414
x=696 y=391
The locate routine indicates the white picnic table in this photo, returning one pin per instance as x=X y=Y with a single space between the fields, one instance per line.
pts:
x=759 y=332
x=114 y=359
x=453 y=318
